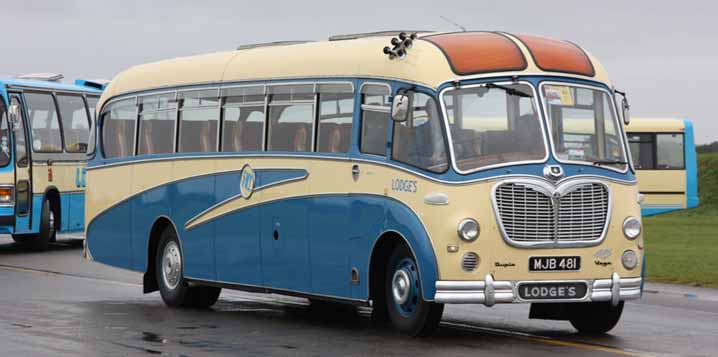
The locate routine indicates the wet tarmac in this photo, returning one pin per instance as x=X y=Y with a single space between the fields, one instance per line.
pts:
x=56 y=303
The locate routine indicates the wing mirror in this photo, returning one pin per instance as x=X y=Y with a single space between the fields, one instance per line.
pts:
x=400 y=108
x=625 y=107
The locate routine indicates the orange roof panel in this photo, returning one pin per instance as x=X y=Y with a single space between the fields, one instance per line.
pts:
x=558 y=56
x=479 y=52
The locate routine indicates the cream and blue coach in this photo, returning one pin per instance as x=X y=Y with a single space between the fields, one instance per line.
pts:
x=44 y=135
x=402 y=173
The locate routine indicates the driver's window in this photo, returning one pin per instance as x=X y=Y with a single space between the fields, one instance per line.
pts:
x=419 y=141
x=19 y=129
x=4 y=135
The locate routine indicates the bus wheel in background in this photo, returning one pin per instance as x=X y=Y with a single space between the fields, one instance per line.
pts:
x=174 y=289
x=41 y=240
x=595 y=317
x=406 y=308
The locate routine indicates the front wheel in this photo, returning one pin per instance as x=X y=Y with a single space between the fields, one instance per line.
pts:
x=595 y=317
x=406 y=308
x=174 y=289
x=41 y=240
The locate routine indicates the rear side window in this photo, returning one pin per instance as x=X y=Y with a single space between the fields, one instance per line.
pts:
x=375 y=118
x=199 y=121
x=336 y=108
x=291 y=118
x=243 y=119
x=669 y=151
x=118 y=128
x=44 y=122
x=158 y=114
x=75 y=123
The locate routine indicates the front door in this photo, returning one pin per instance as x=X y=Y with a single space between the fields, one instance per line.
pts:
x=23 y=187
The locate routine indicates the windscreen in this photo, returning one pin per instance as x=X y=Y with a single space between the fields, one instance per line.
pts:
x=493 y=124
x=583 y=125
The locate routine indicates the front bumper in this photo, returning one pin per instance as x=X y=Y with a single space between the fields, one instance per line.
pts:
x=490 y=292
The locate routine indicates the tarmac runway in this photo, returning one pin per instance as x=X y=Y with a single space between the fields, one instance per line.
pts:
x=58 y=303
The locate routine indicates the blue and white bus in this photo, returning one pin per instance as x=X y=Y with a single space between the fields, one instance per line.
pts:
x=402 y=173
x=44 y=138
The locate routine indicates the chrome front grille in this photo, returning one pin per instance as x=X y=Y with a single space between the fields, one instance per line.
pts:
x=535 y=213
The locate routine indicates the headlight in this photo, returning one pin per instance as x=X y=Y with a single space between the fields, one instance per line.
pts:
x=5 y=195
x=629 y=259
x=631 y=227
x=468 y=229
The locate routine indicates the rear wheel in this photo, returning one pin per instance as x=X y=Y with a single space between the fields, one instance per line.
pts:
x=41 y=240
x=406 y=308
x=595 y=317
x=174 y=289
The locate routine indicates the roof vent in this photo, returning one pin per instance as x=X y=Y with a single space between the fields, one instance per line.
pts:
x=270 y=44
x=50 y=77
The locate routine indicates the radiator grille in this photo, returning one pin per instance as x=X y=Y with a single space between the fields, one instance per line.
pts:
x=529 y=215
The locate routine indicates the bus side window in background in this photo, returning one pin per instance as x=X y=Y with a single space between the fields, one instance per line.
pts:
x=291 y=118
x=669 y=151
x=419 y=141
x=118 y=128
x=641 y=146
x=376 y=111
x=4 y=135
x=157 y=124
x=44 y=123
x=336 y=108
x=243 y=119
x=199 y=121
x=91 y=107
x=75 y=123
x=20 y=141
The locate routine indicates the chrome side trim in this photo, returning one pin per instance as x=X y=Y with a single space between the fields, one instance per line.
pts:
x=562 y=187
x=489 y=291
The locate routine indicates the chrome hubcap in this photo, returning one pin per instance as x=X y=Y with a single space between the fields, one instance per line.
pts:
x=171 y=265
x=400 y=286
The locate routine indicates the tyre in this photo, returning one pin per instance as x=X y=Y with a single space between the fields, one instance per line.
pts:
x=407 y=310
x=174 y=289
x=595 y=317
x=41 y=240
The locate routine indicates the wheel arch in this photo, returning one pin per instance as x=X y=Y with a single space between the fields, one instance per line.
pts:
x=149 y=280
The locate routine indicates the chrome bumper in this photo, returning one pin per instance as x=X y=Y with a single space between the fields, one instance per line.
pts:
x=490 y=292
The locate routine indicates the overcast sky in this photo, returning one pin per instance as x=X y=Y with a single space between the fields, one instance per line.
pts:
x=664 y=53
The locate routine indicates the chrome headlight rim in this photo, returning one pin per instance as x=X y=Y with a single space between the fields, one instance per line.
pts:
x=464 y=230
x=629 y=264
x=638 y=228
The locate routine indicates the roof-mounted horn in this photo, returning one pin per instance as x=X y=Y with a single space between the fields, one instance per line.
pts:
x=401 y=45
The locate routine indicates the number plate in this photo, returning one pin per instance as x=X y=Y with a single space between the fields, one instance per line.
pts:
x=554 y=263
x=552 y=291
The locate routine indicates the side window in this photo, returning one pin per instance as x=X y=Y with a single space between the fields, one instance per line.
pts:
x=44 y=123
x=419 y=141
x=376 y=111
x=336 y=108
x=641 y=146
x=669 y=151
x=199 y=121
x=118 y=128
x=291 y=118
x=158 y=115
x=75 y=123
x=243 y=119
x=4 y=135
x=20 y=141
x=91 y=108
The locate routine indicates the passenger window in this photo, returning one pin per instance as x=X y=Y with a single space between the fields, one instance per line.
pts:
x=419 y=141
x=291 y=118
x=199 y=121
x=4 y=136
x=375 y=118
x=158 y=116
x=118 y=128
x=641 y=146
x=45 y=126
x=75 y=123
x=336 y=107
x=669 y=151
x=243 y=119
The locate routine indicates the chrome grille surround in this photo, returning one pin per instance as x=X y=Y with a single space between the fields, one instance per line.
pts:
x=533 y=213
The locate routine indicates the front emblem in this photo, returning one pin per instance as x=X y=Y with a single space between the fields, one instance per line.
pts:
x=553 y=172
x=246 y=181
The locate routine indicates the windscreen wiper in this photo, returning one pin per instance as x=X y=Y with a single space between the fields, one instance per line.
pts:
x=509 y=91
x=609 y=162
